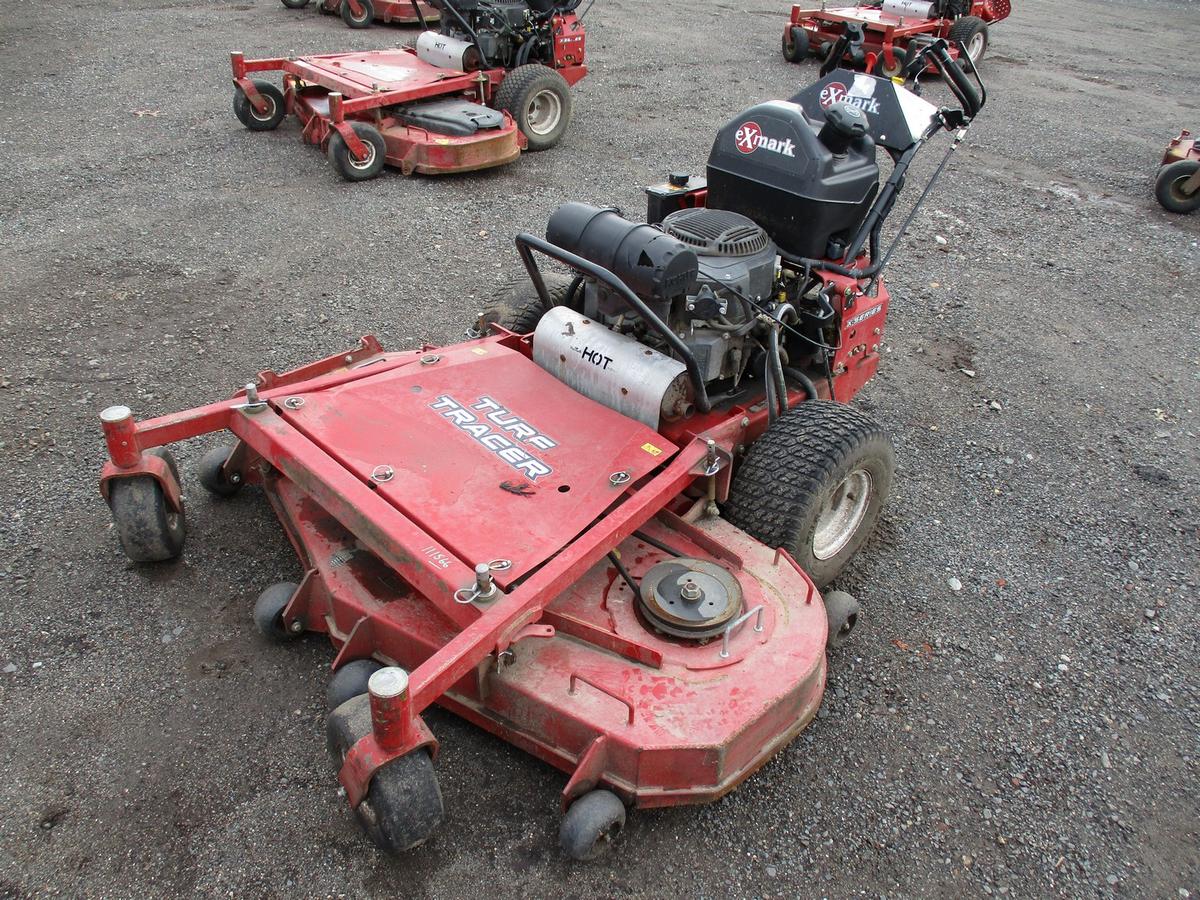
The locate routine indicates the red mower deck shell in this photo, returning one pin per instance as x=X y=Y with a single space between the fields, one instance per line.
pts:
x=390 y=12
x=328 y=92
x=1186 y=146
x=886 y=36
x=395 y=474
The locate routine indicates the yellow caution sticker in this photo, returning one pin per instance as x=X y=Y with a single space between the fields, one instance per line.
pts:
x=479 y=351
x=652 y=450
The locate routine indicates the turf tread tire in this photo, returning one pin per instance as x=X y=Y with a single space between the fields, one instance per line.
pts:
x=518 y=308
x=965 y=28
x=517 y=89
x=777 y=492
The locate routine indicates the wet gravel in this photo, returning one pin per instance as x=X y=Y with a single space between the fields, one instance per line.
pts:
x=1017 y=715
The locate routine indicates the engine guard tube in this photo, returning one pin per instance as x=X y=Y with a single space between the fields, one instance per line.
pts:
x=527 y=243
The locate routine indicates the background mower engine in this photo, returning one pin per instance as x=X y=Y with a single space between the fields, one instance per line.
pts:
x=495 y=79
x=599 y=529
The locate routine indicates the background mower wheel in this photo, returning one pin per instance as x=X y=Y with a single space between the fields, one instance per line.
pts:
x=973 y=32
x=591 y=825
x=539 y=99
x=350 y=168
x=404 y=803
x=795 y=44
x=350 y=681
x=1168 y=186
x=519 y=308
x=268 y=612
x=252 y=118
x=147 y=529
x=841 y=609
x=211 y=472
x=296 y=4
x=363 y=21
x=814 y=484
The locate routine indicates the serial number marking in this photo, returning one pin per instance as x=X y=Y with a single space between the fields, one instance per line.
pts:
x=436 y=556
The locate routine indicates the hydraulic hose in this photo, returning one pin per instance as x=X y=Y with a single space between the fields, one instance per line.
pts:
x=803 y=380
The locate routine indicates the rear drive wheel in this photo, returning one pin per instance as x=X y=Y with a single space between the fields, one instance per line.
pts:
x=539 y=99
x=795 y=44
x=591 y=825
x=363 y=21
x=149 y=530
x=251 y=117
x=1168 y=186
x=973 y=32
x=519 y=308
x=404 y=803
x=814 y=484
x=354 y=169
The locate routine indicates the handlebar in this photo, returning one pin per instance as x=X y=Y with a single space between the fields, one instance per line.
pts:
x=938 y=53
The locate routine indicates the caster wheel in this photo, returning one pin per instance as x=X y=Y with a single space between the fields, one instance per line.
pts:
x=841 y=610
x=404 y=803
x=268 y=612
x=251 y=117
x=354 y=169
x=350 y=681
x=213 y=476
x=148 y=530
x=591 y=825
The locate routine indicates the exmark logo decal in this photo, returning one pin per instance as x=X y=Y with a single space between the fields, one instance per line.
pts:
x=750 y=137
x=863 y=316
x=498 y=431
x=836 y=92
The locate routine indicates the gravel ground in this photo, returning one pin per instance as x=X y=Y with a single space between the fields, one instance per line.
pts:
x=1017 y=715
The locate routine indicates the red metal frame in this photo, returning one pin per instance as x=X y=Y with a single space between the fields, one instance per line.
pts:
x=886 y=36
x=1186 y=146
x=329 y=92
x=558 y=663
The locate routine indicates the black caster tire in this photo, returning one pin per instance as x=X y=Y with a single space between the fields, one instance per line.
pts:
x=519 y=308
x=147 y=529
x=363 y=21
x=883 y=70
x=268 y=613
x=212 y=474
x=403 y=806
x=350 y=681
x=296 y=4
x=539 y=100
x=591 y=825
x=1168 y=186
x=795 y=44
x=251 y=117
x=814 y=484
x=841 y=610
x=350 y=168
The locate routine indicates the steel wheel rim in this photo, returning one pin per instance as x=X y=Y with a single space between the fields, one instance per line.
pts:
x=364 y=164
x=975 y=47
x=544 y=112
x=269 y=114
x=1177 y=191
x=842 y=514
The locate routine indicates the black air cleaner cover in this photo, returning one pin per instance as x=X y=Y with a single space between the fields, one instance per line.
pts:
x=769 y=165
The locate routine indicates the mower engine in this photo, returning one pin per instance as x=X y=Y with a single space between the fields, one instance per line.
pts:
x=477 y=34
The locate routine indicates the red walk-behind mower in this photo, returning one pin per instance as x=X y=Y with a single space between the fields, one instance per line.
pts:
x=882 y=36
x=598 y=529
x=1177 y=187
x=494 y=80
x=364 y=13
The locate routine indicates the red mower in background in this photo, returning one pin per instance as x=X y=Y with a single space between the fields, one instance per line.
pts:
x=882 y=36
x=364 y=13
x=599 y=527
x=1177 y=187
x=493 y=81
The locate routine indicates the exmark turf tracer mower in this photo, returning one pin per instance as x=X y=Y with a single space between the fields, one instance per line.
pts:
x=882 y=35
x=363 y=13
x=597 y=530
x=1177 y=187
x=494 y=80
